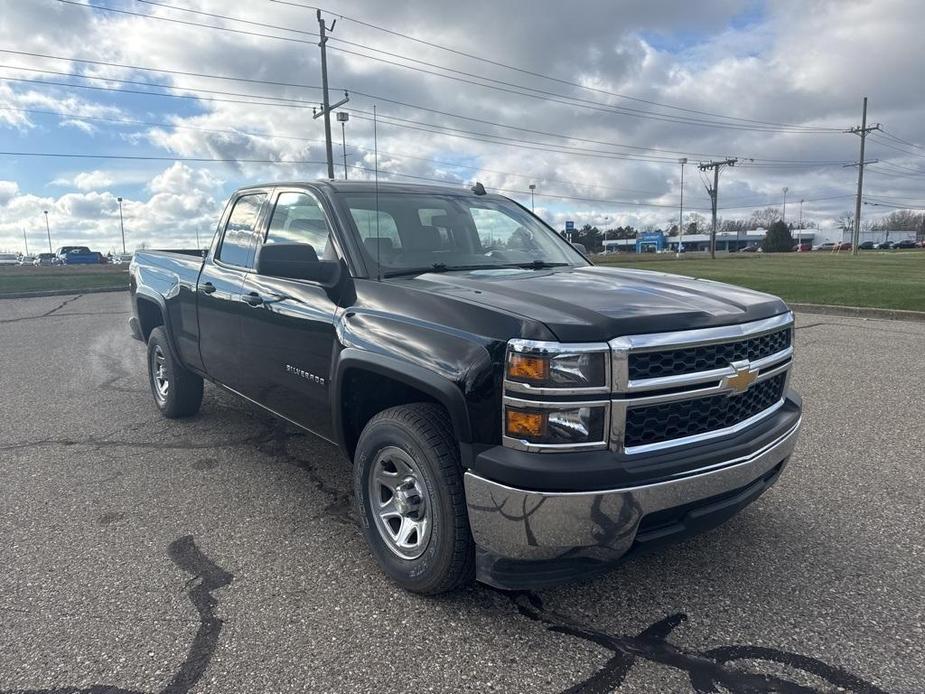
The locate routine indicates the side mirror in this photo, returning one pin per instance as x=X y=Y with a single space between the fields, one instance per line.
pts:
x=580 y=247
x=297 y=261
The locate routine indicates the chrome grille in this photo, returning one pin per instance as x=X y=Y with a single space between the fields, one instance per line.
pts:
x=672 y=389
x=683 y=418
x=685 y=360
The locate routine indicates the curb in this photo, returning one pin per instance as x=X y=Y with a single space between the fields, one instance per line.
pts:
x=62 y=292
x=859 y=312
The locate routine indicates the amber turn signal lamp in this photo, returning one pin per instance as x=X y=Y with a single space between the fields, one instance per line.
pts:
x=522 y=367
x=524 y=423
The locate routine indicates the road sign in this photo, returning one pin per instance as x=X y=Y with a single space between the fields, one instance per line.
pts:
x=570 y=225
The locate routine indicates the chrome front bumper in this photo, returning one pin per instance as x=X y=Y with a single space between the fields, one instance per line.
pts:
x=597 y=526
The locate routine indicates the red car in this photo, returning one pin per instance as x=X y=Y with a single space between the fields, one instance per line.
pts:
x=843 y=246
x=803 y=247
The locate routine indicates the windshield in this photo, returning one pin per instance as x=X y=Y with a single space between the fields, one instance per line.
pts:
x=419 y=232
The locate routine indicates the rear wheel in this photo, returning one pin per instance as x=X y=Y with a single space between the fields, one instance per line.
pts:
x=177 y=392
x=409 y=490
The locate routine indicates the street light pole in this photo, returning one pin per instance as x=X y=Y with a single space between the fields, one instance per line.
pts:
x=800 y=232
x=682 y=161
x=121 y=225
x=783 y=216
x=532 y=188
x=25 y=240
x=48 y=229
x=342 y=118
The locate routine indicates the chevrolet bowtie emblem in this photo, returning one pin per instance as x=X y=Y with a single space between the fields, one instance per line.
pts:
x=743 y=377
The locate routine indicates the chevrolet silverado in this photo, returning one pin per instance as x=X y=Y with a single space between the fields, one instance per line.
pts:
x=511 y=412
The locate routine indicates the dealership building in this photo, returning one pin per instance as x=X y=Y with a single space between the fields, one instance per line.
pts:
x=659 y=241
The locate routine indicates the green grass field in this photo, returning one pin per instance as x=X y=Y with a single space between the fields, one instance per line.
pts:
x=891 y=279
x=82 y=277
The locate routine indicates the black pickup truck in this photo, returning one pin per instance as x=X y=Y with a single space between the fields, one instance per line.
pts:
x=512 y=413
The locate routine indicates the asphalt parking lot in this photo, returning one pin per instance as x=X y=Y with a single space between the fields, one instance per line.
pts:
x=221 y=553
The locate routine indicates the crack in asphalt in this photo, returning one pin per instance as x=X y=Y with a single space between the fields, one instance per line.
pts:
x=43 y=315
x=206 y=577
x=710 y=671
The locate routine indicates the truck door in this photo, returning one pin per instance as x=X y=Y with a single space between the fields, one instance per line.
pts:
x=219 y=291
x=288 y=335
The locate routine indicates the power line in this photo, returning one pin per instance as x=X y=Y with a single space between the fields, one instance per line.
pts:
x=375 y=97
x=540 y=94
x=257 y=134
x=529 y=72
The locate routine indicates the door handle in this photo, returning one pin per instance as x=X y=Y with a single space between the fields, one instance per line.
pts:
x=207 y=288
x=252 y=299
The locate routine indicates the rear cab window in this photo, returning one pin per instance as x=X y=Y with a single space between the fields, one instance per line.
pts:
x=239 y=243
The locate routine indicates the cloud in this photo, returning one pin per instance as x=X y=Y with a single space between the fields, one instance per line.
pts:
x=86 y=180
x=8 y=190
x=179 y=178
x=611 y=147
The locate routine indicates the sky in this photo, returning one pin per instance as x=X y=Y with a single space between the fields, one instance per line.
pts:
x=592 y=102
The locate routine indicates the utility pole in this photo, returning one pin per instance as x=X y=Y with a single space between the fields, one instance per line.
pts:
x=48 y=229
x=342 y=118
x=682 y=161
x=326 y=106
x=25 y=240
x=862 y=131
x=532 y=188
x=121 y=225
x=783 y=216
x=714 y=192
x=800 y=232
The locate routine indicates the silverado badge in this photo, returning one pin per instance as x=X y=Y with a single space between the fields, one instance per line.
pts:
x=743 y=377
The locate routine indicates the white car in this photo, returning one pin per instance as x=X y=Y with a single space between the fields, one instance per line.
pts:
x=26 y=259
x=9 y=259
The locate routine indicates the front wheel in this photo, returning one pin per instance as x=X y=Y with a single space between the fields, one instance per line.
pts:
x=409 y=490
x=177 y=392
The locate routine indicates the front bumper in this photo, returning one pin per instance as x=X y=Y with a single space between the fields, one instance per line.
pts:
x=531 y=539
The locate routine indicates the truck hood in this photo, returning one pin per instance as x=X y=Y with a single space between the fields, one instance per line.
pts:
x=590 y=304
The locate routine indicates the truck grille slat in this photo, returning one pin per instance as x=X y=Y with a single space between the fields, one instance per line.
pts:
x=674 y=420
x=685 y=360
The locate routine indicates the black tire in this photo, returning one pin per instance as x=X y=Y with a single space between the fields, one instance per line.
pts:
x=183 y=393
x=423 y=432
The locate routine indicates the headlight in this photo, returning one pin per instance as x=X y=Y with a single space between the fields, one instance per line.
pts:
x=560 y=366
x=578 y=375
x=556 y=427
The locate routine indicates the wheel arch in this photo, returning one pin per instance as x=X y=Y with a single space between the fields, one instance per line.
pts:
x=393 y=382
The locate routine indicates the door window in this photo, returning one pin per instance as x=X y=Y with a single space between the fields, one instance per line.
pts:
x=240 y=241
x=298 y=218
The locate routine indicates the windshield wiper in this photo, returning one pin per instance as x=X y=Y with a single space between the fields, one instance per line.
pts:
x=539 y=265
x=436 y=267
x=443 y=267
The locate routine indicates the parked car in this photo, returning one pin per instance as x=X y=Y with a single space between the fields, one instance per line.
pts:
x=120 y=258
x=83 y=256
x=843 y=246
x=866 y=246
x=473 y=364
x=63 y=251
x=827 y=246
x=9 y=259
x=884 y=245
x=45 y=259
x=803 y=247
x=905 y=243
x=751 y=248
